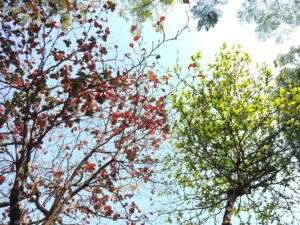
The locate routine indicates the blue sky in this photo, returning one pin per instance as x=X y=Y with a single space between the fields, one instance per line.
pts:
x=228 y=30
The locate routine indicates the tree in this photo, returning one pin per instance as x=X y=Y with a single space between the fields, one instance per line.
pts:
x=143 y=10
x=289 y=78
x=207 y=13
x=231 y=154
x=58 y=8
x=79 y=120
x=272 y=17
x=135 y=11
x=290 y=62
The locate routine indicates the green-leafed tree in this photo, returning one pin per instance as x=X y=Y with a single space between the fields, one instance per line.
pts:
x=231 y=154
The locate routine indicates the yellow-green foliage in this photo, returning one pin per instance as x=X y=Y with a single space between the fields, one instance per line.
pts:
x=234 y=129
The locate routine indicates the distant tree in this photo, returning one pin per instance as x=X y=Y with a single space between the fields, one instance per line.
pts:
x=290 y=62
x=79 y=120
x=289 y=78
x=207 y=13
x=231 y=153
x=272 y=17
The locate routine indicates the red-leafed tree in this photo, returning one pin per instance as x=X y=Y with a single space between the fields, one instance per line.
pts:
x=78 y=122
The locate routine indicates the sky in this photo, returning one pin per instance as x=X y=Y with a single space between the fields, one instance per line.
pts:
x=227 y=30
x=191 y=41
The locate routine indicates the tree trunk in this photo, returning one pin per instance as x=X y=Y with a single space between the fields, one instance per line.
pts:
x=229 y=208
x=53 y=213
x=50 y=221
x=15 y=213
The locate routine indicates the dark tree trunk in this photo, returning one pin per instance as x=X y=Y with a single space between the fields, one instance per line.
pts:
x=232 y=196
x=15 y=213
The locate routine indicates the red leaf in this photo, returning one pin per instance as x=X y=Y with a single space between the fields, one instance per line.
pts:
x=90 y=167
x=2 y=179
x=33 y=44
x=131 y=210
x=47 y=99
x=58 y=173
x=23 y=10
x=136 y=38
x=153 y=77
x=96 y=24
x=192 y=65
x=116 y=216
x=92 y=66
x=162 y=18
x=152 y=132
x=164 y=136
x=133 y=28
x=107 y=208
x=201 y=76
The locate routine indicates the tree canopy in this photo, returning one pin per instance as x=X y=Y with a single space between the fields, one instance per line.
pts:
x=79 y=121
x=231 y=155
x=273 y=18
x=137 y=12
